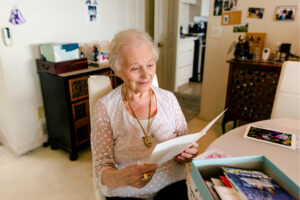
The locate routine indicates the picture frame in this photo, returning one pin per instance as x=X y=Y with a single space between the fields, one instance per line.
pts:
x=225 y=19
x=218 y=7
x=231 y=18
x=229 y=5
x=257 y=13
x=243 y=27
x=285 y=13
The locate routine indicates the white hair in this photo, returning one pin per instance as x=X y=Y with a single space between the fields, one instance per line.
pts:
x=128 y=38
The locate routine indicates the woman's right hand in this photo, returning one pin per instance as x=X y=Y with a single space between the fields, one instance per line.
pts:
x=134 y=174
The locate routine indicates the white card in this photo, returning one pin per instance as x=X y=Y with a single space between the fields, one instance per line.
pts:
x=166 y=151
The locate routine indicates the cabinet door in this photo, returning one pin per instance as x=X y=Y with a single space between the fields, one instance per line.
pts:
x=251 y=92
x=80 y=110
x=78 y=88
x=81 y=119
x=82 y=132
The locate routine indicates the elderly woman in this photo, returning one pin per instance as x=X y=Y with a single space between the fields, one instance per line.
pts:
x=128 y=123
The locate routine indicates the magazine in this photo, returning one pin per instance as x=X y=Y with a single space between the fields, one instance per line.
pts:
x=279 y=138
x=255 y=185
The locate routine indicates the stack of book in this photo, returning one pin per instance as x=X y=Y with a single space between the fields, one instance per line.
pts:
x=245 y=184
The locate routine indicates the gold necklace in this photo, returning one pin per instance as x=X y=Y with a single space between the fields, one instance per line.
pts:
x=148 y=138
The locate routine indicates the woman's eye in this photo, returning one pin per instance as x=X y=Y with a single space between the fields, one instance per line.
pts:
x=135 y=69
x=150 y=65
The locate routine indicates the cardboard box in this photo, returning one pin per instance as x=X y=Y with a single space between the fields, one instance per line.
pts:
x=59 y=52
x=204 y=169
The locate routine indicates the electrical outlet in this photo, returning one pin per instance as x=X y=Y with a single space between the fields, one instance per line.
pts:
x=41 y=112
x=44 y=126
x=216 y=31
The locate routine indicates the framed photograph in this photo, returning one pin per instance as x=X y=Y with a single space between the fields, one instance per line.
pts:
x=243 y=27
x=218 y=5
x=283 y=13
x=229 y=5
x=256 y=13
x=225 y=19
x=270 y=136
x=92 y=11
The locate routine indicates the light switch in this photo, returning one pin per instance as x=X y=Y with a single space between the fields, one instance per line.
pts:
x=216 y=31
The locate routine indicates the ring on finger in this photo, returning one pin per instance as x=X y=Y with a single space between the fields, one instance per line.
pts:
x=145 y=177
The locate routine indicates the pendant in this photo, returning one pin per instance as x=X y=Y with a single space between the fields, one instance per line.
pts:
x=148 y=139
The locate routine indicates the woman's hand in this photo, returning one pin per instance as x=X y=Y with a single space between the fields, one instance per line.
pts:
x=135 y=175
x=138 y=175
x=188 y=154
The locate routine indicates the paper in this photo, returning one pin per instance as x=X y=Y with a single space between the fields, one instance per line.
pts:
x=166 y=151
x=212 y=153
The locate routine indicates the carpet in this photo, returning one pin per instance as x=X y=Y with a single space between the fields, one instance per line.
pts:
x=190 y=105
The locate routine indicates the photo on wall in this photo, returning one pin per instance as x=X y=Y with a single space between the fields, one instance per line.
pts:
x=92 y=11
x=229 y=5
x=218 y=6
x=256 y=13
x=243 y=27
x=283 y=13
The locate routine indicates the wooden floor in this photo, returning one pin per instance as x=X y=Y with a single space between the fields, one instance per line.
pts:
x=192 y=88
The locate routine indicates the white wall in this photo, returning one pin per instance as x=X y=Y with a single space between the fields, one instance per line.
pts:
x=47 y=21
x=216 y=69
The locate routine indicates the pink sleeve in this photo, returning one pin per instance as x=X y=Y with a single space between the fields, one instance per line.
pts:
x=102 y=141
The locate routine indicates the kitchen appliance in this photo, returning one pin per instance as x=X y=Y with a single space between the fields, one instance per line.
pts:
x=198 y=26
x=198 y=63
x=199 y=30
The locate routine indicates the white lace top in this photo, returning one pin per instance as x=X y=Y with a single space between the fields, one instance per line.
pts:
x=116 y=140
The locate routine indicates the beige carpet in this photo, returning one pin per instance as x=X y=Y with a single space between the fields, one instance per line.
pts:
x=44 y=174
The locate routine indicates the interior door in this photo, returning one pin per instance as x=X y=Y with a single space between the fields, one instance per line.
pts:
x=165 y=37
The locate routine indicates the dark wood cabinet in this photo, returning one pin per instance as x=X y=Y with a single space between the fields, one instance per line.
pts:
x=66 y=104
x=250 y=91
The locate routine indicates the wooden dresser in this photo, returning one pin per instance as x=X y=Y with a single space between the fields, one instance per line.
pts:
x=250 y=91
x=66 y=104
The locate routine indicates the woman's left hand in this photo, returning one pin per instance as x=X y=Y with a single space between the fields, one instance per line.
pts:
x=188 y=154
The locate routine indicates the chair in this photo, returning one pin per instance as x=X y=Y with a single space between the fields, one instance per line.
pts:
x=155 y=81
x=287 y=98
x=98 y=87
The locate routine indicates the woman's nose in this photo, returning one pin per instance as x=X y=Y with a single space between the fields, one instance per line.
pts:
x=145 y=72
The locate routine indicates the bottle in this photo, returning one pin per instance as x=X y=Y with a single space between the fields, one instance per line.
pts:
x=95 y=53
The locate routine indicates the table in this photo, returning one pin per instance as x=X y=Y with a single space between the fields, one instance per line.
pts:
x=287 y=160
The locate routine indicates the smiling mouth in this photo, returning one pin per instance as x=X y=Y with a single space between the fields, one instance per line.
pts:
x=144 y=82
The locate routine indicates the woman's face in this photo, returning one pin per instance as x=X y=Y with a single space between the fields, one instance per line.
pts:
x=137 y=67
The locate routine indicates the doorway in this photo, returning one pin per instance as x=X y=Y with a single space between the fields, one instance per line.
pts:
x=189 y=93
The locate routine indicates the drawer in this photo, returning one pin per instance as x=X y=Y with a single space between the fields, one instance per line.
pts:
x=183 y=75
x=186 y=45
x=80 y=110
x=82 y=131
x=189 y=1
x=78 y=88
x=185 y=58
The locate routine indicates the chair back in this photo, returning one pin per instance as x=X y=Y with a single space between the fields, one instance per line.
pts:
x=287 y=98
x=155 y=81
x=98 y=87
